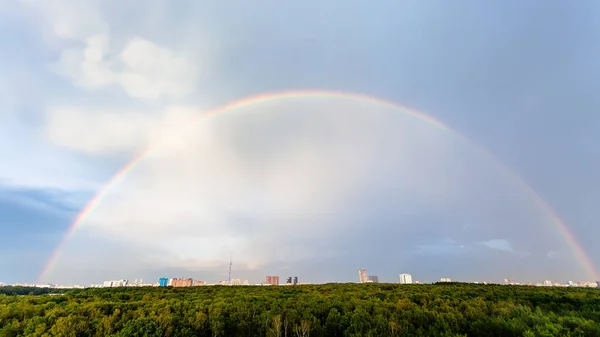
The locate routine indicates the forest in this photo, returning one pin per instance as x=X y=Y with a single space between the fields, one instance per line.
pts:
x=443 y=309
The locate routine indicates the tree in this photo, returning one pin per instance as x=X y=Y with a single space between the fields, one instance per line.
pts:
x=140 y=327
x=303 y=329
x=275 y=330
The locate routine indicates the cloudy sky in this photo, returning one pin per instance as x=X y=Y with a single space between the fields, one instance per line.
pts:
x=316 y=186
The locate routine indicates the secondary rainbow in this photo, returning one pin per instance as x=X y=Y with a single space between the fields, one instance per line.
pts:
x=570 y=239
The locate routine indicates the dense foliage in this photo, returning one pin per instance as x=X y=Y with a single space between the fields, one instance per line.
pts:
x=19 y=290
x=451 y=309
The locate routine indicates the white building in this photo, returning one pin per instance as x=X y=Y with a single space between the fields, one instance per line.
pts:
x=405 y=279
x=112 y=284
x=363 y=277
x=445 y=279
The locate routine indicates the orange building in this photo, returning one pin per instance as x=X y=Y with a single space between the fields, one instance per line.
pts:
x=182 y=282
x=272 y=280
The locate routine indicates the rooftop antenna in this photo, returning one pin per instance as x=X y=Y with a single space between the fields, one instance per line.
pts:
x=229 y=277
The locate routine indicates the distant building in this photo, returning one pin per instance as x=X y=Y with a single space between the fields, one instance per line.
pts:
x=236 y=282
x=445 y=279
x=163 y=282
x=113 y=284
x=182 y=282
x=406 y=279
x=290 y=280
x=363 y=276
x=547 y=283
x=199 y=283
x=373 y=279
x=272 y=280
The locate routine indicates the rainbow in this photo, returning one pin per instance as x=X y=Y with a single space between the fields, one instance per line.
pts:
x=570 y=239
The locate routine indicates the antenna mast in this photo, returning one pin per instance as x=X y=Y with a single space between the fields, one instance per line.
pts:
x=229 y=277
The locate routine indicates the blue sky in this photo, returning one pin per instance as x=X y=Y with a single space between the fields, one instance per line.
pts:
x=318 y=188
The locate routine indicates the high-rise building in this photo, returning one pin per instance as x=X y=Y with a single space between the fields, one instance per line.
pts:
x=163 y=281
x=289 y=280
x=117 y=283
x=373 y=279
x=182 y=282
x=295 y=280
x=405 y=279
x=272 y=280
x=363 y=277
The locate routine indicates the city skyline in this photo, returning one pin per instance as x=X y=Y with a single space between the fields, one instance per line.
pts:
x=363 y=277
x=272 y=281
x=447 y=140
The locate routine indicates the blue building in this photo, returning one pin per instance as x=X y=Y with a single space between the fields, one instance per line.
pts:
x=163 y=282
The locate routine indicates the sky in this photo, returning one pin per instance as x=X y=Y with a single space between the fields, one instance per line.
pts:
x=309 y=186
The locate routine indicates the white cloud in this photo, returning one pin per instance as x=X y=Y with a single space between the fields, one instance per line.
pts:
x=87 y=66
x=69 y=20
x=502 y=245
x=92 y=57
x=98 y=132
x=106 y=132
x=499 y=245
x=152 y=71
x=143 y=69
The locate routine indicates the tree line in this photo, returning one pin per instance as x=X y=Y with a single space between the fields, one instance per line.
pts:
x=445 y=309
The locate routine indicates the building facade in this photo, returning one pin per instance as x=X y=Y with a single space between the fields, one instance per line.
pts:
x=406 y=279
x=182 y=282
x=373 y=279
x=272 y=280
x=363 y=276
x=163 y=282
